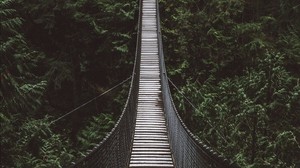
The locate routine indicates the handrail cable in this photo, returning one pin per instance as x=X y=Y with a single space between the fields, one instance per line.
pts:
x=194 y=107
x=187 y=149
x=115 y=149
x=84 y=104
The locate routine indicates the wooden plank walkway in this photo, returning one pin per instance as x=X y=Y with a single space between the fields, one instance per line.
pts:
x=151 y=147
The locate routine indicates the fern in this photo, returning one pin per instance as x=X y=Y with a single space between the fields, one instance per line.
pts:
x=9 y=23
x=20 y=89
x=40 y=147
x=26 y=98
x=96 y=131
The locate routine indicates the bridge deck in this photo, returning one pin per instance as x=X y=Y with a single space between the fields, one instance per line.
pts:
x=151 y=147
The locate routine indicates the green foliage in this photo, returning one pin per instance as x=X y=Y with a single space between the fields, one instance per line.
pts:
x=42 y=148
x=238 y=62
x=7 y=127
x=95 y=131
x=55 y=55
x=230 y=110
x=9 y=22
x=20 y=87
x=34 y=144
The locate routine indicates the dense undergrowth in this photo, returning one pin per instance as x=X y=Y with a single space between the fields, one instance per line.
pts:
x=238 y=62
x=56 y=55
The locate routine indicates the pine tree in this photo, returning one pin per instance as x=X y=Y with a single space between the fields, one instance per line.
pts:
x=21 y=89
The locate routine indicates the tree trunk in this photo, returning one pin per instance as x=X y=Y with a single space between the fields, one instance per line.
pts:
x=77 y=86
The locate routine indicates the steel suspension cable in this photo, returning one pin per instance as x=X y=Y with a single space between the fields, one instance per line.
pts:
x=91 y=100
x=115 y=149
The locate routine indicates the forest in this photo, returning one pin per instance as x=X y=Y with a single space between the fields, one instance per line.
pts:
x=235 y=66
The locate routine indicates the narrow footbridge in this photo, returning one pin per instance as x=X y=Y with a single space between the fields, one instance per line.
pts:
x=150 y=133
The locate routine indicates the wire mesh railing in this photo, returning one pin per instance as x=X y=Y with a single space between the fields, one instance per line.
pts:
x=115 y=148
x=187 y=150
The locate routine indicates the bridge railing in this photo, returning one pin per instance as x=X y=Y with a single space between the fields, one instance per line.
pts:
x=115 y=148
x=187 y=150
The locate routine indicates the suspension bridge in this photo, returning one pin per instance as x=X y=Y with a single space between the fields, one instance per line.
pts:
x=150 y=132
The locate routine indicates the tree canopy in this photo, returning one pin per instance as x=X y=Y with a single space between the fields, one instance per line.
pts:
x=237 y=62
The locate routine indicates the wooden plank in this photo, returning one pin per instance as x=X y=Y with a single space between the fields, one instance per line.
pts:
x=149 y=165
x=150 y=146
